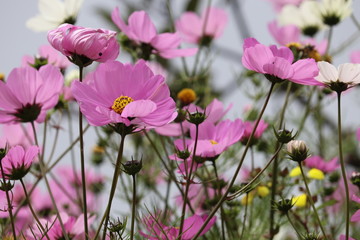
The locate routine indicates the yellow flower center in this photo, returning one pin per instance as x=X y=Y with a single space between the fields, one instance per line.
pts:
x=213 y=142
x=294 y=45
x=186 y=96
x=120 y=103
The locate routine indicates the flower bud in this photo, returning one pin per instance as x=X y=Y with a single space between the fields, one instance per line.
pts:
x=311 y=236
x=186 y=96
x=355 y=179
x=284 y=136
x=132 y=167
x=297 y=150
x=196 y=118
x=183 y=154
x=334 y=177
x=6 y=186
x=117 y=226
x=284 y=205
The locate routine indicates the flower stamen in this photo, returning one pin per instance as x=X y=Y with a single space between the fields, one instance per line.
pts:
x=120 y=103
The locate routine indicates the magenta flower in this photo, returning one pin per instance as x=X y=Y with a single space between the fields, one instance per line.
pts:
x=159 y=231
x=248 y=128
x=215 y=139
x=202 y=30
x=142 y=31
x=284 y=34
x=84 y=45
x=17 y=162
x=343 y=237
x=50 y=55
x=277 y=63
x=356 y=216
x=321 y=164
x=125 y=93
x=16 y=134
x=28 y=94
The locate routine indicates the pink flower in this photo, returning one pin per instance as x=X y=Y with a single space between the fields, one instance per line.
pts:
x=159 y=231
x=195 y=29
x=284 y=34
x=356 y=216
x=343 y=237
x=143 y=32
x=279 y=4
x=15 y=134
x=28 y=94
x=84 y=45
x=277 y=63
x=321 y=164
x=248 y=128
x=214 y=139
x=125 y=93
x=16 y=164
x=48 y=53
x=355 y=56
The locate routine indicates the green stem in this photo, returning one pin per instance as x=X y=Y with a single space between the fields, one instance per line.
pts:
x=33 y=212
x=343 y=170
x=82 y=165
x=293 y=225
x=133 y=209
x=8 y=202
x=329 y=40
x=188 y=180
x=224 y=196
x=218 y=193
x=106 y=215
x=312 y=202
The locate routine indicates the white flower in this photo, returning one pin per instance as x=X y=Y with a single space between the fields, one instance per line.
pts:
x=333 y=11
x=347 y=75
x=306 y=17
x=54 y=13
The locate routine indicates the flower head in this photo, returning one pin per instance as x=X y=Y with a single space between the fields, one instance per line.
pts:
x=84 y=45
x=339 y=79
x=142 y=31
x=284 y=34
x=248 y=128
x=17 y=162
x=202 y=30
x=28 y=94
x=297 y=150
x=334 y=11
x=277 y=63
x=125 y=93
x=54 y=13
x=321 y=164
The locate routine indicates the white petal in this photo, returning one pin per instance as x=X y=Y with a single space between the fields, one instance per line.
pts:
x=40 y=24
x=52 y=10
x=349 y=73
x=328 y=73
x=72 y=7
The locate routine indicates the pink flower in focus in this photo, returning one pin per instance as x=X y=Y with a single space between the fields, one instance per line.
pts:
x=159 y=231
x=248 y=128
x=28 y=94
x=50 y=54
x=277 y=63
x=355 y=56
x=125 y=93
x=214 y=139
x=84 y=45
x=195 y=29
x=321 y=164
x=284 y=34
x=17 y=162
x=143 y=32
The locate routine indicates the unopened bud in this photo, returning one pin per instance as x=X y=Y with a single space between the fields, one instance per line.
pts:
x=186 y=96
x=355 y=179
x=284 y=136
x=297 y=150
x=132 y=167
x=196 y=118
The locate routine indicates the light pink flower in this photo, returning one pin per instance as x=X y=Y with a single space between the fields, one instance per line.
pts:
x=193 y=28
x=28 y=94
x=355 y=56
x=279 y=4
x=215 y=139
x=159 y=231
x=284 y=34
x=15 y=134
x=183 y=168
x=321 y=164
x=50 y=54
x=84 y=44
x=141 y=30
x=277 y=63
x=125 y=93
x=248 y=128
x=17 y=162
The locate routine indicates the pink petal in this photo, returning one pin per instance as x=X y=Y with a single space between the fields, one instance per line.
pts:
x=139 y=108
x=305 y=72
x=280 y=68
x=142 y=27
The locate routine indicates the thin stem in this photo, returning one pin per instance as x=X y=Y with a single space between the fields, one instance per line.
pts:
x=276 y=163
x=8 y=202
x=82 y=165
x=133 y=208
x=188 y=179
x=329 y=40
x=293 y=225
x=32 y=210
x=312 y=202
x=222 y=214
x=224 y=196
x=113 y=188
x=343 y=170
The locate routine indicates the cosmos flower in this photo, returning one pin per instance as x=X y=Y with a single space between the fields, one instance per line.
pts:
x=202 y=30
x=277 y=63
x=125 y=93
x=28 y=94
x=334 y=11
x=321 y=164
x=54 y=13
x=142 y=31
x=84 y=45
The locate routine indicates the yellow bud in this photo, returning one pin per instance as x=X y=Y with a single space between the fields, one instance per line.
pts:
x=186 y=96
x=263 y=191
x=300 y=201
x=315 y=173
x=295 y=172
